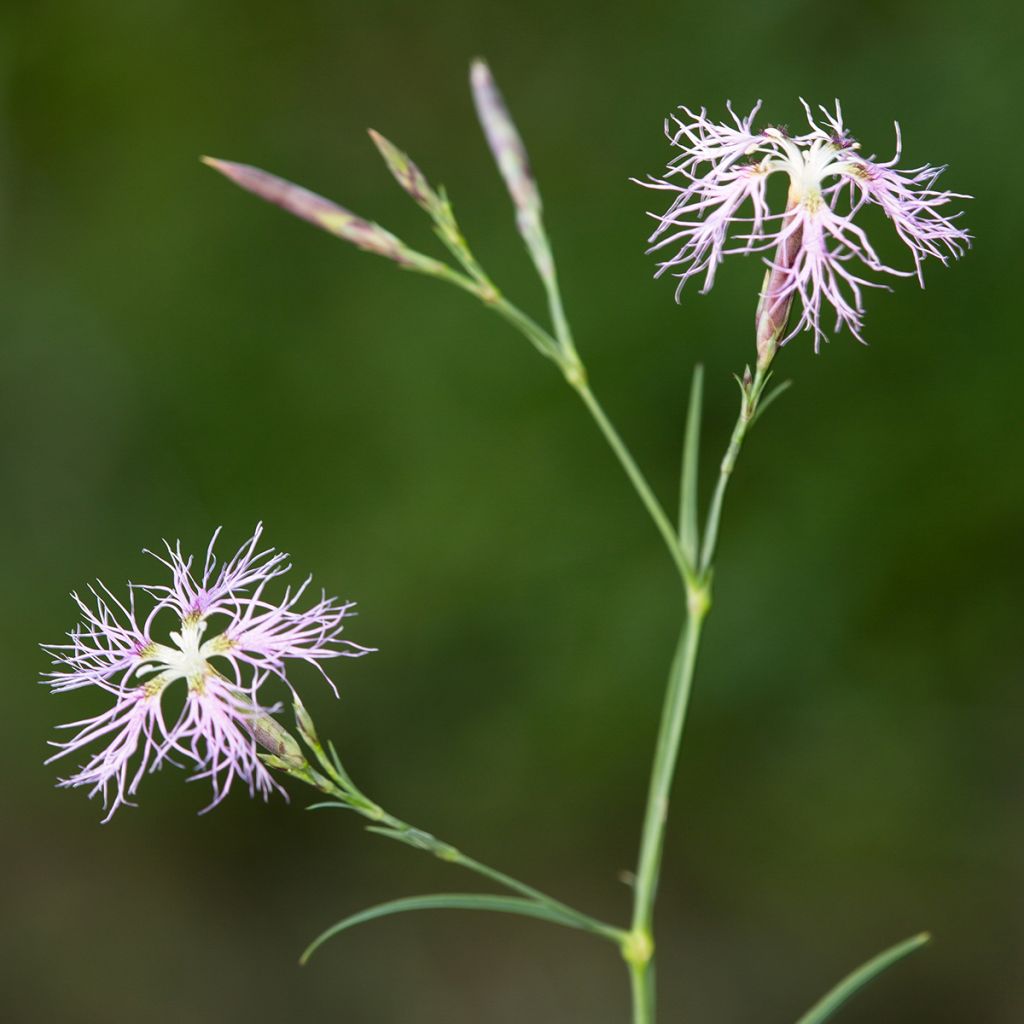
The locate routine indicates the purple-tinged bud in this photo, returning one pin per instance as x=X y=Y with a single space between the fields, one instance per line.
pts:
x=777 y=294
x=513 y=163
x=412 y=180
x=285 y=751
x=321 y=212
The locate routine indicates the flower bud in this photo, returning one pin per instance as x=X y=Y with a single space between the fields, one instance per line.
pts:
x=307 y=730
x=321 y=212
x=412 y=180
x=776 y=298
x=510 y=154
x=268 y=732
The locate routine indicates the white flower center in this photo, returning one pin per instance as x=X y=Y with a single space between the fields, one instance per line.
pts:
x=807 y=168
x=189 y=657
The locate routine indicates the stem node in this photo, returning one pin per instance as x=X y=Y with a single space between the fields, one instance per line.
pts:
x=638 y=947
x=698 y=599
x=575 y=373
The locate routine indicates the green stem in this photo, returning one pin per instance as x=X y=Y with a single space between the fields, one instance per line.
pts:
x=641 y=985
x=639 y=950
x=637 y=945
x=666 y=752
x=751 y=393
x=526 y=325
x=395 y=828
x=637 y=479
x=556 y=309
x=562 y=350
x=585 y=921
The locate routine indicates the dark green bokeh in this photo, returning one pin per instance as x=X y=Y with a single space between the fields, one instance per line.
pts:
x=178 y=356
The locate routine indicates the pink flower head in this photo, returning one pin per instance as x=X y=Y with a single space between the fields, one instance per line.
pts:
x=230 y=638
x=818 y=252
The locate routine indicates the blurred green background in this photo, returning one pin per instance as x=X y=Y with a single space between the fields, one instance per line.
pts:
x=178 y=355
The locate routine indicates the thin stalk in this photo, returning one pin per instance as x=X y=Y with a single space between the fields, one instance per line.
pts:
x=526 y=325
x=562 y=350
x=637 y=479
x=586 y=922
x=557 y=310
x=751 y=393
x=387 y=824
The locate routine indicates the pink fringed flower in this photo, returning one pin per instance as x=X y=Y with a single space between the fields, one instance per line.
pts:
x=231 y=636
x=719 y=207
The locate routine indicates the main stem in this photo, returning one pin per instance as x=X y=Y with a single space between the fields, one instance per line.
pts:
x=637 y=945
x=639 y=952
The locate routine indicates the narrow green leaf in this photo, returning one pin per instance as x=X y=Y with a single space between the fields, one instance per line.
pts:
x=336 y=761
x=442 y=901
x=770 y=397
x=854 y=982
x=329 y=803
x=688 y=531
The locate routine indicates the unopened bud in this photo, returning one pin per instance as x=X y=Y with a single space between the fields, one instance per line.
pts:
x=307 y=730
x=284 y=748
x=321 y=212
x=412 y=180
x=510 y=154
x=776 y=298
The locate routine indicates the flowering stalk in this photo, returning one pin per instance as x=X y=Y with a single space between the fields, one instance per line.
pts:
x=719 y=206
x=510 y=155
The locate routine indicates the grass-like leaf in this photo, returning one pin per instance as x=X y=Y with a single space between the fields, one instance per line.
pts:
x=688 y=538
x=853 y=983
x=770 y=397
x=442 y=901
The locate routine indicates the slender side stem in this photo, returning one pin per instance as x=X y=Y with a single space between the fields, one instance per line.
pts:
x=748 y=410
x=636 y=477
x=585 y=921
x=526 y=325
x=556 y=309
x=387 y=824
x=562 y=350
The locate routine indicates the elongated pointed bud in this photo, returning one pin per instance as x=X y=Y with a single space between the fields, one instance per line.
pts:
x=776 y=298
x=285 y=752
x=412 y=180
x=510 y=154
x=307 y=730
x=321 y=212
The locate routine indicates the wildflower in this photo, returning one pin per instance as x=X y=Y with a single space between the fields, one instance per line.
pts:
x=230 y=638
x=720 y=207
